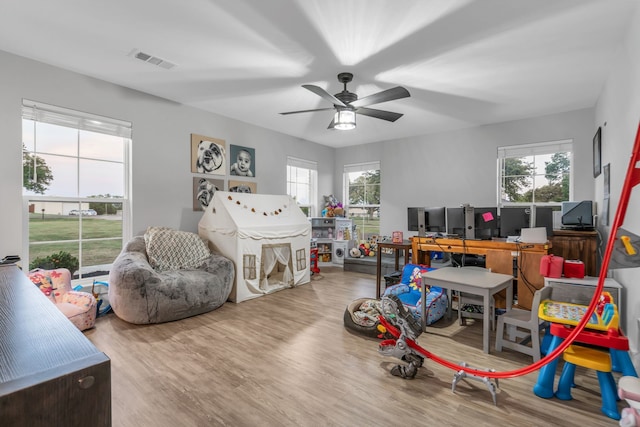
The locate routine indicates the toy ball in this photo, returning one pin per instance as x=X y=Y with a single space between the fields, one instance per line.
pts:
x=372 y=253
x=355 y=252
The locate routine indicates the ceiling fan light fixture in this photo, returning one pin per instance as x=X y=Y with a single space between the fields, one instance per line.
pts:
x=345 y=119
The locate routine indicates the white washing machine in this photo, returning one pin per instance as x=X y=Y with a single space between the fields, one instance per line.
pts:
x=340 y=248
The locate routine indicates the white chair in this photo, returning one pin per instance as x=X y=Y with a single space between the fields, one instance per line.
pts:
x=523 y=319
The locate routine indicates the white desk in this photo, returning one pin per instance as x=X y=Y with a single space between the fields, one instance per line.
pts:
x=473 y=280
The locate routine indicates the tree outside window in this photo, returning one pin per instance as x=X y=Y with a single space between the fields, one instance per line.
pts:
x=536 y=177
x=362 y=184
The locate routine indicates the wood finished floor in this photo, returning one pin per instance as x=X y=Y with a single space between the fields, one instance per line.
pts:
x=285 y=359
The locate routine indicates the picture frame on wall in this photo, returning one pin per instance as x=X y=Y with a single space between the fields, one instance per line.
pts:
x=243 y=187
x=242 y=160
x=208 y=155
x=597 y=153
x=203 y=191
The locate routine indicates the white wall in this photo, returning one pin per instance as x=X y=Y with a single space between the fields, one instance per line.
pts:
x=618 y=113
x=161 y=174
x=452 y=168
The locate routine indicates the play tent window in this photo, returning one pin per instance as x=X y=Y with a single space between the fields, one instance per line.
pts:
x=301 y=259
x=249 y=262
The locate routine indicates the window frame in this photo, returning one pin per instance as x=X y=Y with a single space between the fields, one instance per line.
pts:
x=360 y=167
x=79 y=121
x=528 y=150
x=312 y=167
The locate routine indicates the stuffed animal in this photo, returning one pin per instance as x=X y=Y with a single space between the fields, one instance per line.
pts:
x=355 y=252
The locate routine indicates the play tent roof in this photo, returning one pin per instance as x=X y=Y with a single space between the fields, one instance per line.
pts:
x=256 y=216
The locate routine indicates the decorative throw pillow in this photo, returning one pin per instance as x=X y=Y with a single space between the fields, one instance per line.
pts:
x=170 y=249
x=44 y=283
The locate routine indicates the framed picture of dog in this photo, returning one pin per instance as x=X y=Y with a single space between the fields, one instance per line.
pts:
x=242 y=160
x=203 y=190
x=208 y=155
x=243 y=187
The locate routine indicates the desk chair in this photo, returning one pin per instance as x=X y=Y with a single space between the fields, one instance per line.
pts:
x=523 y=319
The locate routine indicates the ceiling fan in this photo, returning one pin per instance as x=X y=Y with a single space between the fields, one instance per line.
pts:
x=347 y=104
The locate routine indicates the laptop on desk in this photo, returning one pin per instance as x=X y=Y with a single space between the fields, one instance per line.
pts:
x=533 y=235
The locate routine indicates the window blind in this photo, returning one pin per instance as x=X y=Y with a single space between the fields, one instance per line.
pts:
x=361 y=167
x=538 y=148
x=301 y=163
x=45 y=113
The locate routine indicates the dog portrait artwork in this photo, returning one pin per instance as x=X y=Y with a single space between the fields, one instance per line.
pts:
x=208 y=155
x=203 y=191
x=243 y=187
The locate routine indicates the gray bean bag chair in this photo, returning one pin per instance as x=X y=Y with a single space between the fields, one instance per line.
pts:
x=142 y=294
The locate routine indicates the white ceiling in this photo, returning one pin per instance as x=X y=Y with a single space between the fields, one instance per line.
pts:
x=465 y=63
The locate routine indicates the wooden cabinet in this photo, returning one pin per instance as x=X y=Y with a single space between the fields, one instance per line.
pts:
x=573 y=244
x=50 y=373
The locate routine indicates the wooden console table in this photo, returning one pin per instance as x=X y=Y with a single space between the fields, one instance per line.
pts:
x=405 y=246
x=499 y=259
x=50 y=373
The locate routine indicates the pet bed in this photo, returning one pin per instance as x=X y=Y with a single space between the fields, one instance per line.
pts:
x=361 y=317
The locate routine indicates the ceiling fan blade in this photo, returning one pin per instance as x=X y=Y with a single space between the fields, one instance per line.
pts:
x=384 y=96
x=324 y=94
x=306 y=111
x=332 y=125
x=379 y=114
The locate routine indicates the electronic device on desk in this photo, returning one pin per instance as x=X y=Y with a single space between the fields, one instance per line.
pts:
x=416 y=220
x=486 y=223
x=455 y=222
x=10 y=260
x=577 y=215
x=427 y=220
x=514 y=218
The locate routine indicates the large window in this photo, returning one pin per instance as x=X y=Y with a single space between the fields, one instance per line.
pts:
x=535 y=173
x=301 y=183
x=75 y=188
x=362 y=197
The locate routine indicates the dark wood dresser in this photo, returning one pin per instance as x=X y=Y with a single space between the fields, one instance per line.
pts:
x=50 y=373
x=574 y=244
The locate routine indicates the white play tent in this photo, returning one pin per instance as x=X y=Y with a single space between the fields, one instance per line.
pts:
x=266 y=236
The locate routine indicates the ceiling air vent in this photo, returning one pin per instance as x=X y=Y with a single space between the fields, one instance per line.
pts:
x=153 y=60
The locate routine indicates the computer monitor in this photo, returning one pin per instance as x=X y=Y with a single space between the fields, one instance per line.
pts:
x=486 y=223
x=544 y=218
x=416 y=220
x=577 y=215
x=513 y=219
x=455 y=221
x=436 y=219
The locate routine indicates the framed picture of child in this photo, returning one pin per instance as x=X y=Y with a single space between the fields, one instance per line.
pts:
x=243 y=187
x=203 y=190
x=208 y=155
x=242 y=161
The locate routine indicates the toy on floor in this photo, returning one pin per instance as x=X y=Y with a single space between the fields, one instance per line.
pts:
x=629 y=390
x=394 y=311
x=461 y=375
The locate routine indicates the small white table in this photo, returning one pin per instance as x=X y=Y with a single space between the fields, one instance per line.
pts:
x=472 y=280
